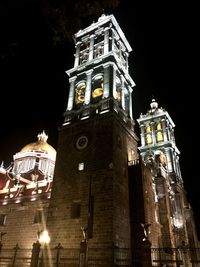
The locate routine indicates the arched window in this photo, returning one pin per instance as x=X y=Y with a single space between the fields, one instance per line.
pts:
x=97 y=87
x=159 y=126
x=148 y=139
x=117 y=95
x=127 y=100
x=80 y=93
x=159 y=136
x=98 y=50
x=84 y=53
x=148 y=128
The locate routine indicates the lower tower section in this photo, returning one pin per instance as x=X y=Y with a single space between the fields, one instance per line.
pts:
x=90 y=196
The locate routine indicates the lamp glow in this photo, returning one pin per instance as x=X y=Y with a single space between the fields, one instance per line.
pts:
x=44 y=237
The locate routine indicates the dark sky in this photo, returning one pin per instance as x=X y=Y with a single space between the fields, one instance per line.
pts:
x=35 y=52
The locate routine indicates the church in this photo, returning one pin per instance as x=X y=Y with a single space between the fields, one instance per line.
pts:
x=105 y=196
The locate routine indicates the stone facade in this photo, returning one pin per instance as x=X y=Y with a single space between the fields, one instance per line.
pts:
x=109 y=202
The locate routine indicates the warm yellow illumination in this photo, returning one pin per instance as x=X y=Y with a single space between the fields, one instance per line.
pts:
x=97 y=86
x=97 y=92
x=178 y=223
x=163 y=159
x=80 y=93
x=44 y=237
x=159 y=126
x=148 y=128
x=159 y=136
x=148 y=139
x=117 y=95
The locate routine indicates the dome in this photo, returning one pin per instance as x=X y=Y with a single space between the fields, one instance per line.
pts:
x=41 y=145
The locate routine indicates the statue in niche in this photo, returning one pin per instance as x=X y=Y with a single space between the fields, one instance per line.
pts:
x=99 y=51
x=146 y=230
x=84 y=232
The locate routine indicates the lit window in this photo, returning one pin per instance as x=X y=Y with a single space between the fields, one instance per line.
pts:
x=159 y=136
x=159 y=126
x=130 y=157
x=118 y=89
x=80 y=93
x=97 y=86
x=148 y=139
x=81 y=166
x=148 y=128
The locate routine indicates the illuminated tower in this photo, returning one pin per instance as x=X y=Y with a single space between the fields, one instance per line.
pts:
x=96 y=145
x=160 y=155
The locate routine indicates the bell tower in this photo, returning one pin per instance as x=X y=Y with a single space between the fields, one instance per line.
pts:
x=157 y=134
x=99 y=80
x=96 y=144
x=160 y=154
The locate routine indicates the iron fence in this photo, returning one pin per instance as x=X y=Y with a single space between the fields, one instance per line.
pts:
x=98 y=257
x=182 y=256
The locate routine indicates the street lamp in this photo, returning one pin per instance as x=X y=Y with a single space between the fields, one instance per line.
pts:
x=44 y=240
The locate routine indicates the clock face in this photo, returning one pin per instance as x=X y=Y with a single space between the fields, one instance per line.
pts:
x=82 y=142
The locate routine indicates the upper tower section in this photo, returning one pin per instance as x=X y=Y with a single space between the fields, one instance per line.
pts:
x=157 y=137
x=99 y=39
x=99 y=80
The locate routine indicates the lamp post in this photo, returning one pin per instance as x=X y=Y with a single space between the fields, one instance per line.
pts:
x=83 y=257
x=44 y=240
x=58 y=248
x=35 y=254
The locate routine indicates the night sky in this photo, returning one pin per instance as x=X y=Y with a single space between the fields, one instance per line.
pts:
x=36 y=48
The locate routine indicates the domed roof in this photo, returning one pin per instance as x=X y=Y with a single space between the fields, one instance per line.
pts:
x=41 y=145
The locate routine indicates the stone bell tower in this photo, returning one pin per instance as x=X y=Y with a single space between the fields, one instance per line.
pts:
x=160 y=154
x=97 y=143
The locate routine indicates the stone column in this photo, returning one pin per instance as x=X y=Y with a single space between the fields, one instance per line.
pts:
x=165 y=137
x=113 y=40
x=153 y=132
x=106 y=41
x=126 y=58
x=91 y=49
x=88 y=87
x=130 y=103
x=77 y=55
x=106 y=80
x=114 y=82
x=71 y=93
x=123 y=94
x=169 y=160
x=142 y=135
